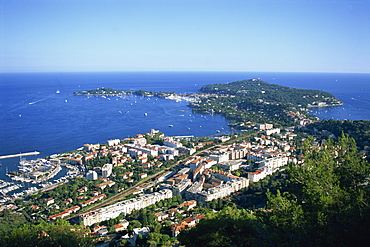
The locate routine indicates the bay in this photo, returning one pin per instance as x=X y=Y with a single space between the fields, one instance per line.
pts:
x=39 y=112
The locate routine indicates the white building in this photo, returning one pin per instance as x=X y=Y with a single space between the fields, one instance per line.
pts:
x=232 y=165
x=257 y=175
x=92 y=175
x=265 y=126
x=222 y=190
x=123 y=207
x=273 y=163
x=113 y=142
x=272 y=131
x=169 y=142
x=222 y=157
x=222 y=138
x=106 y=170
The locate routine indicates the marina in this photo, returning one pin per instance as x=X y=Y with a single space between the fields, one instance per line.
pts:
x=35 y=171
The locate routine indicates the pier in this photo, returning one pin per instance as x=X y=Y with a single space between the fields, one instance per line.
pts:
x=18 y=155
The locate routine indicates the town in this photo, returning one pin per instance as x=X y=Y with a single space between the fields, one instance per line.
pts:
x=155 y=167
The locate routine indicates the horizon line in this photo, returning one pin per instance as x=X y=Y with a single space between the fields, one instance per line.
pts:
x=176 y=71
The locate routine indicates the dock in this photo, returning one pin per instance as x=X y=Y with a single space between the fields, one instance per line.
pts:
x=18 y=155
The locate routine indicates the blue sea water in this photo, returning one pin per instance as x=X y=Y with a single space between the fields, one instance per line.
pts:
x=38 y=111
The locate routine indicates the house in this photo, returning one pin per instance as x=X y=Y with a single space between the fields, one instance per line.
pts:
x=82 y=190
x=119 y=227
x=102 y=186
x=113 y=142
x=66 y=202
x=190 y=221
x=189 y=204
x=95 y=193
x=91 y=147
x=49 y=201
x=177 y=228
x=161 y=216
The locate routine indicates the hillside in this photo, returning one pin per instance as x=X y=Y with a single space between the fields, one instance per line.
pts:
x=256 y=89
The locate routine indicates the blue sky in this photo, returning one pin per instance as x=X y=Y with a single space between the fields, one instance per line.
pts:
x=176 y=35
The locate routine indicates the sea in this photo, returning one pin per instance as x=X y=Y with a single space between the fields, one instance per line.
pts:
x=39 y=113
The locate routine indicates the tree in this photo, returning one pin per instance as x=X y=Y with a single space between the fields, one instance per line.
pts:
x=229 y=227
x=327 y=204
x=329 y=199
x=47 y=234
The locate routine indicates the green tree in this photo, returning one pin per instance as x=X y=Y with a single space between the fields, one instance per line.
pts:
x=229 y=227
x=327 y=204
x=47 y=234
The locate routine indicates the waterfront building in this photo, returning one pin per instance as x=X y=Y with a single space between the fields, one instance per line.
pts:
x=91 y=147
x=113 y=142
x=222 y=138
x=139 y=140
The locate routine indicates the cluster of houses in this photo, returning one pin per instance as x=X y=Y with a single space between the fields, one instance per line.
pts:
x=196 y=181
x=161 y=216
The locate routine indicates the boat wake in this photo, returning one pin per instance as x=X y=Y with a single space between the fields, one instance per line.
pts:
x=37 y=101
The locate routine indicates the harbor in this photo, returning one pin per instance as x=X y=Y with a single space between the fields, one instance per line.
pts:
x=35 y=171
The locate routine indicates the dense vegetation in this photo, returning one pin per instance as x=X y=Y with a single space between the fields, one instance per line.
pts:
x=101 y=91
x=59 y=234
x=358 y=130
x=254 y=196
x=328 y=204
x=255 y=89
x=260 y=102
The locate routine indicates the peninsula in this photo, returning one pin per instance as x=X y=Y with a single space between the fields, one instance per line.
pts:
x=243 y=102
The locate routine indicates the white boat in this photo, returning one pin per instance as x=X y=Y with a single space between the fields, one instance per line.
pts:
x=170 y=125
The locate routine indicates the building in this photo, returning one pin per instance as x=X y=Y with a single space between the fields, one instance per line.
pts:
x=113 y=142
x=222 y=138
x=257 y=175
x=231 y=165
x=123 y=207
x=121 y=226
x=272 y=131
x=265 y=126
x=221 y=157
x=91 y=147
x=222 y=190
x=106 y=170
x=169 y=142
x=92 y=175
x=49 y=201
